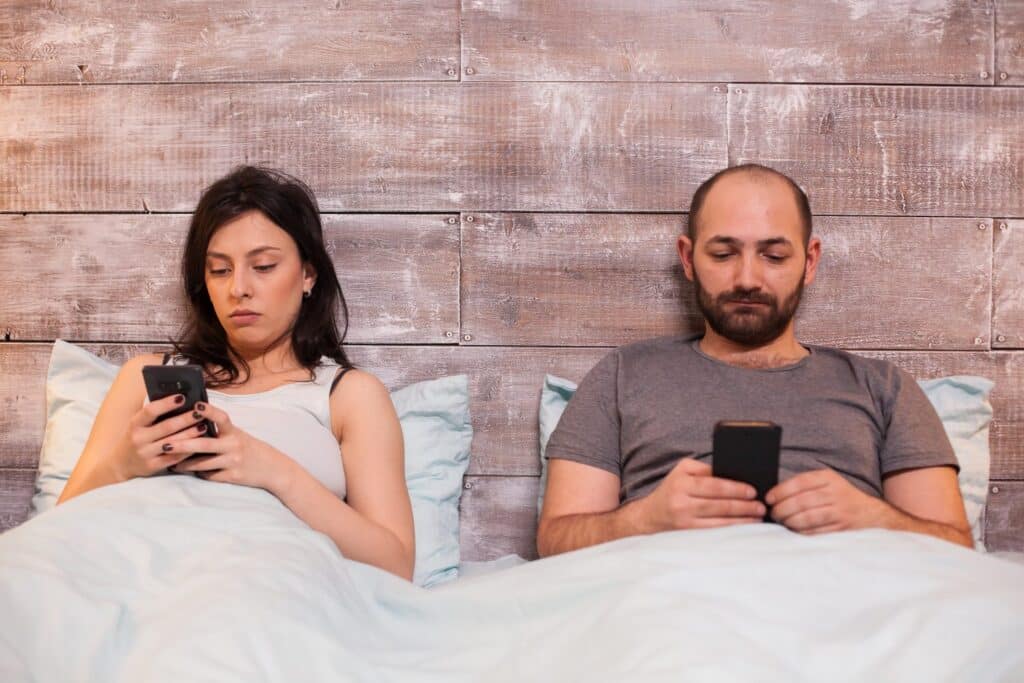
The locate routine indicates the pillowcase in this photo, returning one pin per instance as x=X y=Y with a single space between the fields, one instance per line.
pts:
x=961 y=402
x=435 y=425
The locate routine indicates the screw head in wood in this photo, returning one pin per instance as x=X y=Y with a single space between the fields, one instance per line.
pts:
x=470 y=71
x=995 y=489
x=450 y=72
x=467 y=337
x=449 y=334
x=1001 y=338
x=978 y=340
x=1003 y=227
x=981 y=226
x=1003 y=75
x=984 y=74
x=451 y=220
x=470 y=219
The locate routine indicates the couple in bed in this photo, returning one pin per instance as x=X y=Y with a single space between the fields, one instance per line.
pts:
x=861 y=447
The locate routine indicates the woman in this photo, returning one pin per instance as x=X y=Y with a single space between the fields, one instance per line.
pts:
x=262 y=296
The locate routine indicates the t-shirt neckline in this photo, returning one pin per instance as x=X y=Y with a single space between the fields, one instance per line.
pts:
x=695 y=345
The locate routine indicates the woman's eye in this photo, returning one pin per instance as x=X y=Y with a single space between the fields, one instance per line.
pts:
x=265 y=268
x=218 y=271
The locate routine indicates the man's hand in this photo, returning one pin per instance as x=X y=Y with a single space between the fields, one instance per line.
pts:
x=822 y=501
x=690 y=498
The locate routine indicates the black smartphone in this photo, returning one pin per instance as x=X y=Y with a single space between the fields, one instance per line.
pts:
x=165 y=380
x=747 y=451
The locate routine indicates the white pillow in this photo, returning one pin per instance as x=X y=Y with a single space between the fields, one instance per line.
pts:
x=435 y=425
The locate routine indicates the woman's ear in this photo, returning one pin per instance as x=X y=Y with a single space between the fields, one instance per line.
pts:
x=308 y=277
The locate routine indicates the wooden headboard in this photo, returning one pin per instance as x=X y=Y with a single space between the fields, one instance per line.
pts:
x=502 y=184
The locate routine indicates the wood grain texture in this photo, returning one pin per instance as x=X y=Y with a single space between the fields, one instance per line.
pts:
x=116 y=277
x=233 y=40
x=833 y=41
x=498 y=516
x=1004 y=516
x=505 y=386
x=1009 y=42
x=609 y=279
x=1008 y=285
x=887 y=150
x=364 y=147
x=16 y=489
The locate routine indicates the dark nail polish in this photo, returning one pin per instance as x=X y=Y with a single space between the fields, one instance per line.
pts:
x=200 y=406
x=196 y=416
x=201 y=428
x=179 y=399
x=167 y=447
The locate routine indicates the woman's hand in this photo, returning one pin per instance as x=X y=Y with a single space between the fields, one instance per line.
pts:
x=148 y=446
x=233 y=456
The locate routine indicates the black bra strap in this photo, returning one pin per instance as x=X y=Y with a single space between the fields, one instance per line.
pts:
x=337 y=378
x=167 y=357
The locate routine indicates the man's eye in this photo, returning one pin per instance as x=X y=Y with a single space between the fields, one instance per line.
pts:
x=265 y=268
x=721 y=255
x=775 y=258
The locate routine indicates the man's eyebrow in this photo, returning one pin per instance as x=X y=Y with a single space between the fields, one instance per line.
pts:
x=772 y=241
x=251 y=252
x=723 y=239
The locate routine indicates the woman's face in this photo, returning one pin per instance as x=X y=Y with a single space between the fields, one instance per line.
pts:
x=255 y=279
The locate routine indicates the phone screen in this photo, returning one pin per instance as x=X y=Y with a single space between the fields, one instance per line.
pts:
x=748 y=452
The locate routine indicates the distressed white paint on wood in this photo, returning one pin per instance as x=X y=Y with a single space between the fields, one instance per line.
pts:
x=1009 y=42
x=1004 y=516
x=843 y=41
x=73 y=41
x=887 y=150
x=16 y=489
x=498 y=516
x=1008 y=284
x=393 y=147
x=609 y=279
x=117 y=277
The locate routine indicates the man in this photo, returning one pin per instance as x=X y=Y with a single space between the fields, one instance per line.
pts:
x=861 y=445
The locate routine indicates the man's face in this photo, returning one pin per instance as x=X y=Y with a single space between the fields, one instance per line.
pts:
x=748 y=261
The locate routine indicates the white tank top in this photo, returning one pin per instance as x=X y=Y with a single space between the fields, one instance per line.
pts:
x=295 y=419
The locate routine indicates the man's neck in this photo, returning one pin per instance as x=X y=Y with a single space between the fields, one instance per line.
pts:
x=783 y=351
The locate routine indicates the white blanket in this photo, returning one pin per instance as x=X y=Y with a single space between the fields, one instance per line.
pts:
x=178 y=579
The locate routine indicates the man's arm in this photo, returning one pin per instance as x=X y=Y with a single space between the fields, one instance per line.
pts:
x=925 y=500
x=581 y=505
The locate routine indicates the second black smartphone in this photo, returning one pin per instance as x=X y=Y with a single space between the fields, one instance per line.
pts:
x=165 y=380
x=747 y=451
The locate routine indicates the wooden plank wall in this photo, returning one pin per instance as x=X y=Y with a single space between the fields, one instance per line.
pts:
x=503 y=181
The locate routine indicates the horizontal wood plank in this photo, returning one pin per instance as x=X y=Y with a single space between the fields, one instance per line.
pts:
x=887 y=150
x=1009 y=42
x=1008 y=285
x=609 y=279
x=365 y=147
x=16 y=490
x=1004 y=516
x=505 y=386
x=832 y=41
x=75 y=41
x=498 y=516
x=116 y=277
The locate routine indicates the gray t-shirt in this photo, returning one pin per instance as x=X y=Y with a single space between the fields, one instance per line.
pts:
x=645 y=406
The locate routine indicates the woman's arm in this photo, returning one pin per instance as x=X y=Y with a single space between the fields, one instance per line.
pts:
x=374 y=524
x=124 y=443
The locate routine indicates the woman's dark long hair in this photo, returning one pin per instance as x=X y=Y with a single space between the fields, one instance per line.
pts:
x=290 y=204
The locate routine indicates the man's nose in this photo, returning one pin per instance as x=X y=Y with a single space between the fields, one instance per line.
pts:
x=751 y=273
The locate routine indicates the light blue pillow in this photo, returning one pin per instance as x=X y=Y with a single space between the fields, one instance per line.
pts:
x=435 y=425
x=961 y=402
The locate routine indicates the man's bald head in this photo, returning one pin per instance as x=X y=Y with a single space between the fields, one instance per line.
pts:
x=757 y=174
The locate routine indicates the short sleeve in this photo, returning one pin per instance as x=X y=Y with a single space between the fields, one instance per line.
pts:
x=914 y=435
x=589 y=429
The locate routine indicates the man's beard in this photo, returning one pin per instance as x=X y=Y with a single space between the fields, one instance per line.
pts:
x=755 y=326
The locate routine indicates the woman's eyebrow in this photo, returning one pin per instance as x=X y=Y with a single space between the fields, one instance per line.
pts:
x=251 y=252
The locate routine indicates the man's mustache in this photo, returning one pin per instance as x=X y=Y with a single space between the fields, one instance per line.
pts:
x=746 y=296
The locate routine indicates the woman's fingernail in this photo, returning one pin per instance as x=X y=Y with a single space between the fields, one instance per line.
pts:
x=196 y=416
x=201 y=428
x=179 y=399
x=167 y=447
x=200 y=406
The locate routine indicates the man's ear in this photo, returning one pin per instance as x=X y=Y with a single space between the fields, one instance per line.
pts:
x=685 y=248
x=813 y=259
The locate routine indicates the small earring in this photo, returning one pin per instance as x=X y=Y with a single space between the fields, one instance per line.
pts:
x=307 y=293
